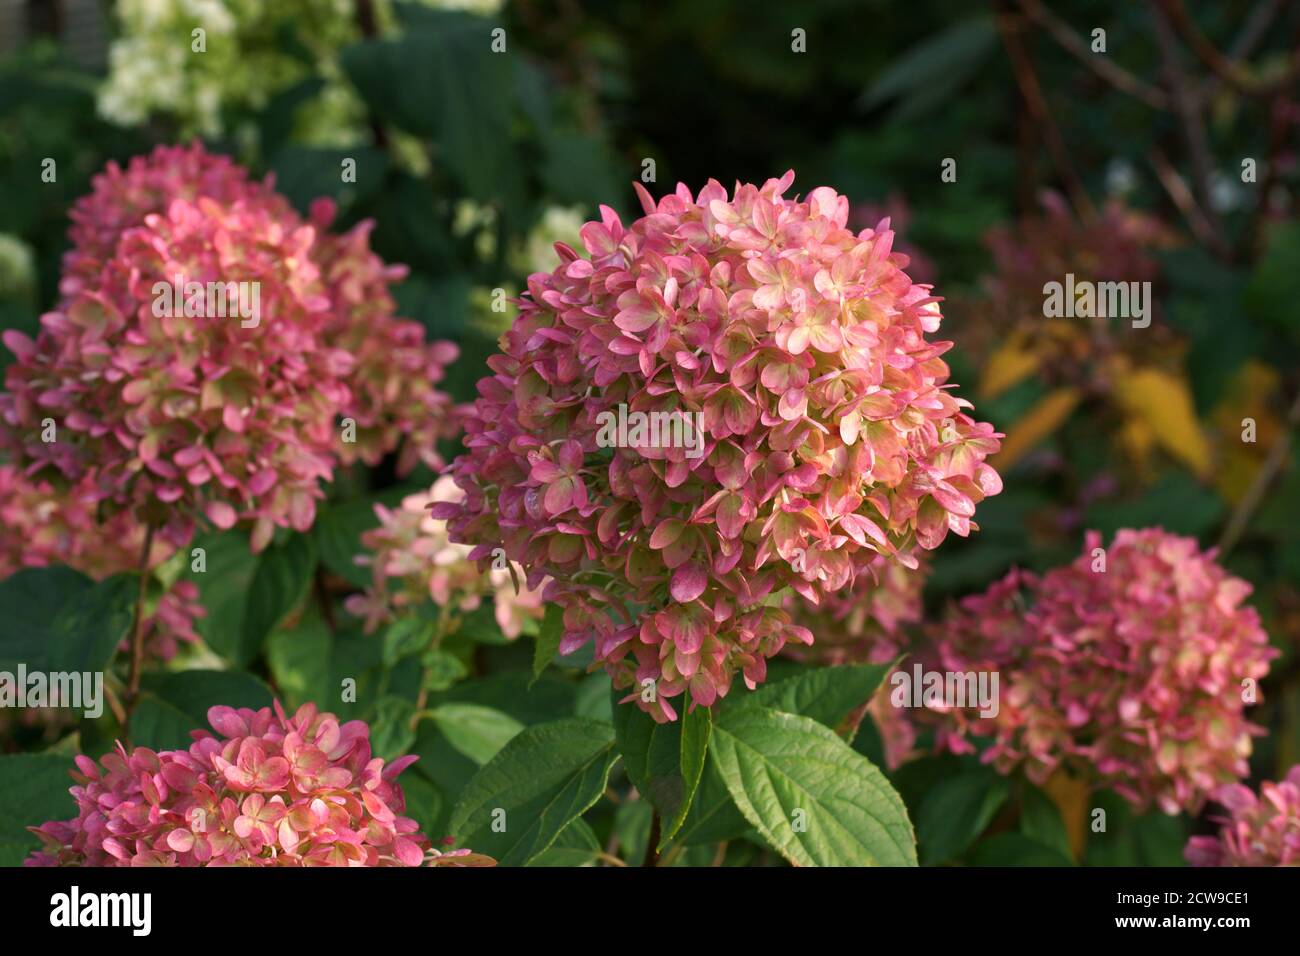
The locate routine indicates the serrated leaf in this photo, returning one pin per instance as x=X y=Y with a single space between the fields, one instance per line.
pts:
x=576 y=845
x=543 y=780
x=664 y=761
x=775 y=765
x=828 y=694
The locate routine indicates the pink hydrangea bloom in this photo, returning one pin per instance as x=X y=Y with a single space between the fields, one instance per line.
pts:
x=1130 y=677
x=414 y=561
x=267 y=790
x=830 y=434
x=120 y=199
x=866 y=623
x=1258 y=831
x=395 y=400
x=173 y=416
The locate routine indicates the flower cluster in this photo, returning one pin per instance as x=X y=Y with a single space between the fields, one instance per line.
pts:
x=1133 y=673
x=1258 y=831
x=271 y=790
x=395 y=400
x=864 y=624
x=167 y=408
x=155 y=71
x=795 y=351
x=413 y=561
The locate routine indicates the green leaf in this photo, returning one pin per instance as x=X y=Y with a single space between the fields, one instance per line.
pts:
x=280 y=581
x=175 y=703
x=928 y=74
x=956 y=811
x=306 y=173
x=633 y=821
x=548 y=639
x=828 y=695
x=713 y=816
x=439 y=78
x=442 y=669
x=338 y=531
x=301 y=662
x=543 y=780
x=424 y=802
x=406 y=637
x=1040 y=820
x=1274 y=287
x=477 y=732
x=391 y=734
x=223 y=589
x=664 y=761
x=34 y=789
x=1016 y=849
x=55 y=619
x=813 y=798
x=577 y=845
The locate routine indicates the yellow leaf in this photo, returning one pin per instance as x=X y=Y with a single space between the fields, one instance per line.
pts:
x=1071 y=798
x=1008 y=366
x=1164 y=402
x=1040 y=421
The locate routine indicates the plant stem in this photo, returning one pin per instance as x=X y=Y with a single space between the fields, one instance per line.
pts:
x=137 y=636
x=1263 y=478
x=651 y=853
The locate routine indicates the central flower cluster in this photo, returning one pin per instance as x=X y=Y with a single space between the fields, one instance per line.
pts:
x=272 y=790
x=830 y=436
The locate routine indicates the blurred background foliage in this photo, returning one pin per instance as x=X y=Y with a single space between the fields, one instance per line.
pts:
x=473 y=161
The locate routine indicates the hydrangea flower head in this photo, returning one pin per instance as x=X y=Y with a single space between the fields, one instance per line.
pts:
x=1131 y=677
x=824 y=434
x=1259 y=830
x=174 y=409
x=414 y=561
x=865 y=624
x=266 y=790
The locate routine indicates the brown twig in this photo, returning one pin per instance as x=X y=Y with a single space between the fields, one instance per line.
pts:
x=1182 y=197
x=651 y=849
x=1237 y=75
x=1188 y=107
x=1076 y=46
x=1277 y=455
x=1010 y=26
x=1280 y=127
x=137 y=634
x=369 y=28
